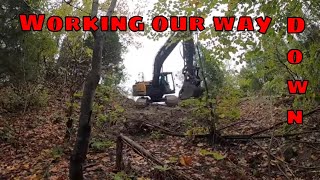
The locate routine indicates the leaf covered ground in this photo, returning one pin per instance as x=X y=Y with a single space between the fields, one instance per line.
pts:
x=32 y=144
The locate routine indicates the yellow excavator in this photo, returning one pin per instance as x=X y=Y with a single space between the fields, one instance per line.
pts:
x=159 y=89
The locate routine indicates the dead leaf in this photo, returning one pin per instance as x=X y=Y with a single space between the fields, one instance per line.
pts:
x=34 y=177
x=54 y=169
x=185 y=160
x=26 y=166
x=313 y=157
x=11 y=168
x=200 y=144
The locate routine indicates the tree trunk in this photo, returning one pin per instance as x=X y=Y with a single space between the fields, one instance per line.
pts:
x=69 y=122
x=119 y=158
x=80 y=150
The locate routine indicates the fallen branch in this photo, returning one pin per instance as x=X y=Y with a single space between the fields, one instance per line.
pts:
x=283 y=122
x=284 y=174
x=306 y=142
x=239 y=137
x=271 y=140
x=296 y=166
x=164 y=130
x=230 y=137
x=143 y=152
x=235 y=137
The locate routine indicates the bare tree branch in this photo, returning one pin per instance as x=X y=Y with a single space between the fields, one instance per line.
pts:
x=95 y=7
x=76 y=7
x=293 y=74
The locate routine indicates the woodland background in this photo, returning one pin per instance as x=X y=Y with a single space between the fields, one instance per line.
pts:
x=42 y=76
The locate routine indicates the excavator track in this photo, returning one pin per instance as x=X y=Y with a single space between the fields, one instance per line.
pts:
x=171 y=100
x=142 y=102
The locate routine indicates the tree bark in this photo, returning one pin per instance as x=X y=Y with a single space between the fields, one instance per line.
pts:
x=80 y=150
x=119 y=158
x=69 y=122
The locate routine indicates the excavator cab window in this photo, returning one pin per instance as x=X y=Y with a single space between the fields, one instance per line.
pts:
x=164 y=83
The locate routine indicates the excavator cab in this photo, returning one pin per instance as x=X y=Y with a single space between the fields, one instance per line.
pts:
x=149 y=93
x=164 y=83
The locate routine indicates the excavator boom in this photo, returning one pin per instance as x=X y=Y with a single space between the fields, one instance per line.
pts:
x=162 y=55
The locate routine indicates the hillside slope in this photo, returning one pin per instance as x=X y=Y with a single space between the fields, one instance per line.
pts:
x=32 y=144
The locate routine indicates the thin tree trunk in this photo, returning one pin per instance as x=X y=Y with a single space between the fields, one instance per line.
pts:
x=119 y=158
x=69 y=122
x=80 y=150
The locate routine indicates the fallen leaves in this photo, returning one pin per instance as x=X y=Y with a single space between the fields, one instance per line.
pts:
x=185 y=160
x=41 y=145
x=34 y=177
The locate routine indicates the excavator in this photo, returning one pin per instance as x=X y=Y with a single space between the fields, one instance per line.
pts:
x=159 y=89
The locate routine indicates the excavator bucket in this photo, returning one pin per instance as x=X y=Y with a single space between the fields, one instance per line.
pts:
x=189 y=90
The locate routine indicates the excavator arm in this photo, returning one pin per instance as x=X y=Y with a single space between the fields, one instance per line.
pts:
x=191 y=84
x=162 y=55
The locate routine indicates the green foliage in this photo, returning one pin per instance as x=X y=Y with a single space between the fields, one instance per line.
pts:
x=225 y=103
x=75 y=105
x=57 y=152
x=106 y=107
x=188 y=103
x=275 y=86
x=213 y=70
x=215 y=155
x=100 y=146
x=228 y=99
x=162 y=168
x=11 y=99
x=249 y=82
x=112 y=67
x=198 y=107
x=121 y=176
x=17 y=98
x=173 y=159
x=306 y=102
x=38 y=98
x=6 y=134
x=22 y=59
x=78 y=94
x=197 y=131
x=156 y=135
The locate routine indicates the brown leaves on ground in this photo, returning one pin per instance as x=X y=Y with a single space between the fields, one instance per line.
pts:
x=32 y=146
x=185 y=160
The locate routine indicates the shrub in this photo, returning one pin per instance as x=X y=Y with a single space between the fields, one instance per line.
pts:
x=20 y=98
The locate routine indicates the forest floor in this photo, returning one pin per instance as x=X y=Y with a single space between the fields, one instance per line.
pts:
x=32 y=145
